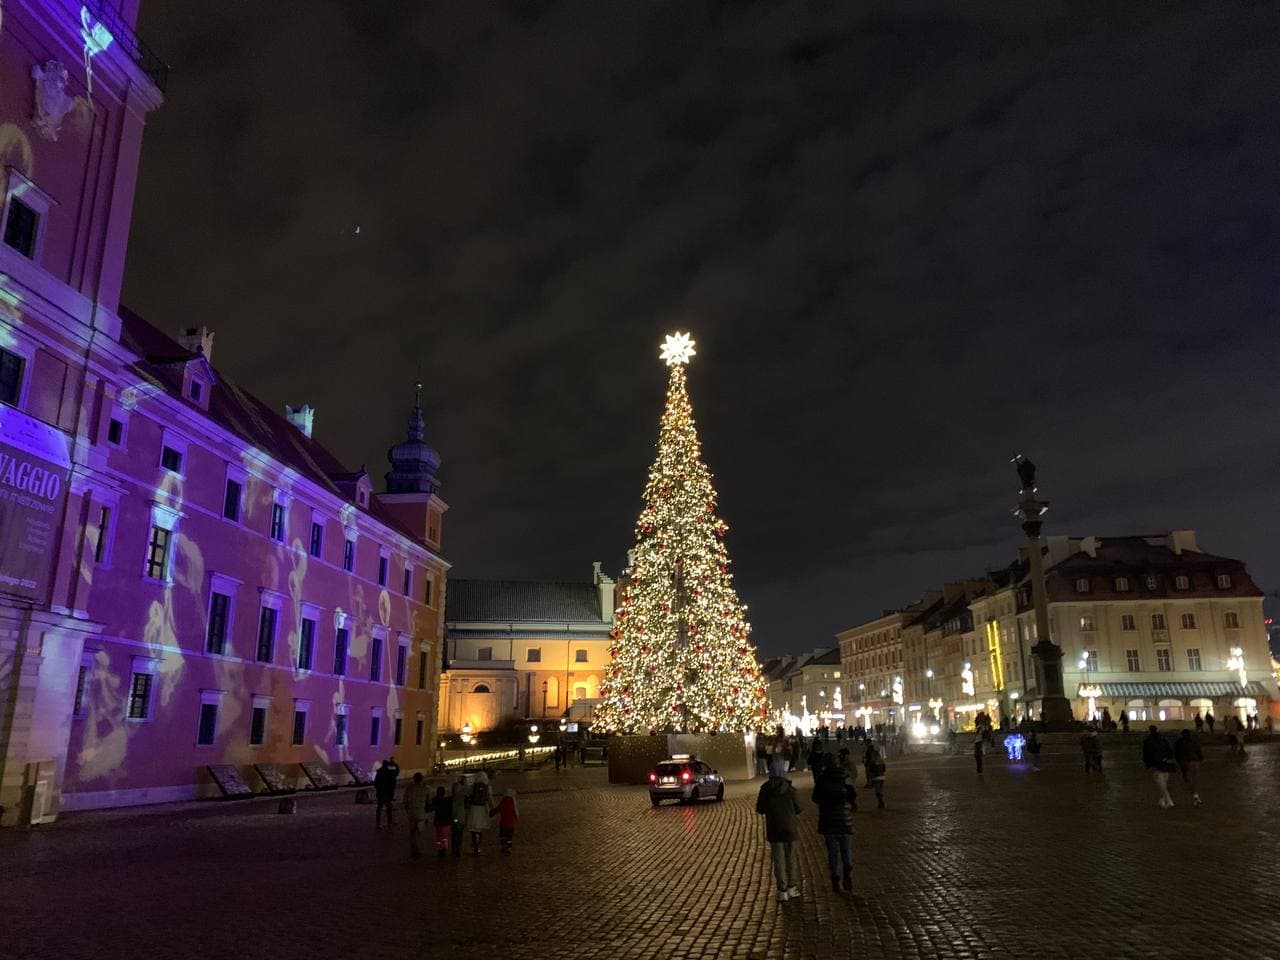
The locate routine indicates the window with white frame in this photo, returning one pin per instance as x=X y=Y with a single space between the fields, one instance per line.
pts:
x=1193 y=658
x=341 y=648
x=1224 y=581
x=376 y=642
x=141 y=688
x=258 y=720
x=117 y=426
x=26 y=212
x=268 y=625
x=222 y=593
x=1231 y=620
x=105 y=529
x=1127 y=622
x=1188 y=621
x=1091 y=661
x=233 y=494
x=207 y=725
x=1122 y=584
x=173 y=452
x=402 y=663
x=161 y=543
x=1082 y=585
x=340 y=724
x=279 y=517
x=1164 y=659
x=1157 y=621
x=80 y=705
x=301 y=709
x=310 y=618
x=1182 y=582
x=1132 y=660
x=316 y=545
x=1153 y=582
x=1087 y=624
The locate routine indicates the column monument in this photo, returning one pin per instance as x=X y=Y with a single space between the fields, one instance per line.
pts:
x=1054 y=704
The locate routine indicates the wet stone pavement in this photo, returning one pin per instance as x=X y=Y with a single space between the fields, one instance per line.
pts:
x=1013 y=864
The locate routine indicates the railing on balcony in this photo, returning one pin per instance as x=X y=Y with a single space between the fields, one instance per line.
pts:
x=107 y=12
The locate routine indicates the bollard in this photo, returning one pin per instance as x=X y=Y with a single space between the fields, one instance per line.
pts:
x=287 y=805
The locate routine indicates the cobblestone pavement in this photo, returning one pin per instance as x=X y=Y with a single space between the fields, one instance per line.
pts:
x=1013 y=864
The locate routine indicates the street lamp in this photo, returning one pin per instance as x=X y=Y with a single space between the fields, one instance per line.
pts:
x=928 y=675
x=467 y=739
x=534 y=736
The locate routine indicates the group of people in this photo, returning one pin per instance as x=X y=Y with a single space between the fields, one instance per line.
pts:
x=462 y=810
x=834 y=792
x=1161 y=759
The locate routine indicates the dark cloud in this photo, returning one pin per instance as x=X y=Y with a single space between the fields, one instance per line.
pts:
x=909 y=243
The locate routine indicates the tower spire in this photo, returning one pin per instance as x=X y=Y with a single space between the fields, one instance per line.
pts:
x=414 y=462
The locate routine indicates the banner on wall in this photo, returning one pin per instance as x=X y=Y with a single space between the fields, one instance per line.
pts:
x=35 y=467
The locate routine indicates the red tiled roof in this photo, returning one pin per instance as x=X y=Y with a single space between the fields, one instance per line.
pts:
x=244 y=415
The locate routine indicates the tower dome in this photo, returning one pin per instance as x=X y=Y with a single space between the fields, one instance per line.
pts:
x=414 y=462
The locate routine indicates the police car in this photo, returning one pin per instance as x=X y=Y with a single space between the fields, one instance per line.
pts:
x=684 y=778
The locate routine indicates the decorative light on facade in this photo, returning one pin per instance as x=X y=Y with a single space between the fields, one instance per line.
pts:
x=1236 y=663
x=897 y=690
x=966 y=679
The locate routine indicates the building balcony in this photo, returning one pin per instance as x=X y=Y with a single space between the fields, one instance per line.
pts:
x=107 y=12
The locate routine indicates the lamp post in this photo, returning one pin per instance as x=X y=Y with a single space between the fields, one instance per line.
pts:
x=1054 y=705
x=928 y=675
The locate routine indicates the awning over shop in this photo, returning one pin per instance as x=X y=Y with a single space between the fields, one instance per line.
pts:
x=1195 y=689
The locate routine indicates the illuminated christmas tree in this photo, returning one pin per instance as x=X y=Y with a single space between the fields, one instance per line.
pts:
x=682 y=657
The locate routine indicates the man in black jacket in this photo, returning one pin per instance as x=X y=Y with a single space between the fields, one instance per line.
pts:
x=384 y=790
x=777 y=803
x=1158 y=758
x=836 y=800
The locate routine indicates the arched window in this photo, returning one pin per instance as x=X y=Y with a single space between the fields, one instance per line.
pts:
x=481 y=688
x=1170 y=710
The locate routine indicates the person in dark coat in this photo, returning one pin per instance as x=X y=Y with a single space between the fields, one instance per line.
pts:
x=384 y=791
x=442 y=820
x=1124 y=721
x=1158 y=758
x=875 y=767
x=1209 y=721
x=777 y=803
x=816 y=759
x=1187 y=754
x=836 y=800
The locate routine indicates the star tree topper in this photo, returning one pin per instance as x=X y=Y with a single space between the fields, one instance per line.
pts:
x=677 y=349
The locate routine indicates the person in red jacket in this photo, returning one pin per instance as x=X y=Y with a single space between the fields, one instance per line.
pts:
x=508 y=815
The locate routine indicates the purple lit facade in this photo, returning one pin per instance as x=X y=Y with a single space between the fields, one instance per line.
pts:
x=196 y=581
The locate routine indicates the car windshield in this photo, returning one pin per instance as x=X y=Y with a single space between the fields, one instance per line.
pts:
x=670 y=769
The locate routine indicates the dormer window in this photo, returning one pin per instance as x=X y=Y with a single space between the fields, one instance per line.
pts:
x=1152 y=582
x=197 y=388
x=1224 y=581
x=1122 y=584
x=1182 y=582
x=1082 y=585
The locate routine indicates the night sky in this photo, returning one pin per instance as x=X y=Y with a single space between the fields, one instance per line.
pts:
x=909 y=245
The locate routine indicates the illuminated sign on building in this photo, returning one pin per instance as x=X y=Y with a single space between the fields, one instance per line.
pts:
x=34 y=467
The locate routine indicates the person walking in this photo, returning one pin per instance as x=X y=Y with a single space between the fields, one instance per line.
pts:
x=1033 y=748
x=508 y=815
x=777 y=803
x=1199 y=723
x=845 y=762
x=1086 y=748
x=458 y=799
x=415 y=809
x=874 y=765
x=1187 y=754
x=1124 y=720
x=1209 y=721
x=442 y=820
x=836 y=800
x=977 y=753
x=1158 y=758
x=478 y=810
x=384 y=791
x=816 y=759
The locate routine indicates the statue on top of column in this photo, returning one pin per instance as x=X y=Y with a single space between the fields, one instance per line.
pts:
x=1026 y=472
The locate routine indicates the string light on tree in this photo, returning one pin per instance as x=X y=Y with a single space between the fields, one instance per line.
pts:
x=682 y=659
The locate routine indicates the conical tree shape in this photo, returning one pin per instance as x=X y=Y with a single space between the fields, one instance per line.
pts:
x=682 y=658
